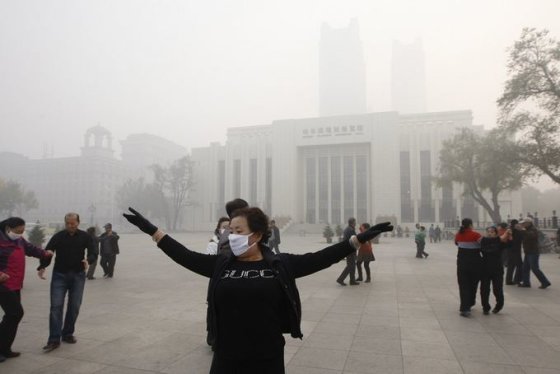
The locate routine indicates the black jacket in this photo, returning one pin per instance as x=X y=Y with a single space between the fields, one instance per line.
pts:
x=286 y=266
x=109 y=244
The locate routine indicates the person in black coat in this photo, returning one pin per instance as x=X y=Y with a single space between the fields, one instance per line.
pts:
x=253 y=297
x=491 y=248
x=109 y=248
x=350 y=269
x=514 y=273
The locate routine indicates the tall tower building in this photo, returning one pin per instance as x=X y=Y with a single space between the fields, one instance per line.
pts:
x=342 y=72
x=408 y=78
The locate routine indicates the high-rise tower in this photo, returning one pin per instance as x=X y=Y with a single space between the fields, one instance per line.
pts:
x=408 y=80
x=342 y=73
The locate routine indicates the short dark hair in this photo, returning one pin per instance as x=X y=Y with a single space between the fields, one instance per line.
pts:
x=465 y=223
x=235 y=204
x=220 y=221
x=256 y=220
x=351 y=221
x=11 y=223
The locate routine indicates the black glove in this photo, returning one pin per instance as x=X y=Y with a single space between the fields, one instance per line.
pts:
x=139 y=221
x=373 y=231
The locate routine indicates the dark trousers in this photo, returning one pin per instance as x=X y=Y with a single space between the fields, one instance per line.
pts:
x=91 y=269
x=273 y=365
x=514 y=267
x=420 y=249
x=468 y=275
x=108 y=264
x=10 y=301
x=492 y=274
x=350 y=269
x=366 y=266
x=531 y=263
x=62 y=283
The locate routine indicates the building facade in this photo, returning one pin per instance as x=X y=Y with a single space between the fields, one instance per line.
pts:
x=88 y=184
x=324 y=170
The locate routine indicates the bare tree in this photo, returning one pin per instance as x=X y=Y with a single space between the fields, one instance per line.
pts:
x=530 y=104
x=482 y=164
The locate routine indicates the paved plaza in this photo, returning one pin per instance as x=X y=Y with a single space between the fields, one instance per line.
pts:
x=150 y=318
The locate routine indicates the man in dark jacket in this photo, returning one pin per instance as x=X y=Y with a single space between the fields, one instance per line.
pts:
x=350 y=268
x=513 y=253
x=109 y=248
x=531 y=249
x=68 y=277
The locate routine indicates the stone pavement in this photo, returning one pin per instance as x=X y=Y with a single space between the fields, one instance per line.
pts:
x=150 y=318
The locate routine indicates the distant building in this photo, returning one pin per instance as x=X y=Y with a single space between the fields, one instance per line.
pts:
x=324 y=170
x=342 y=72
x=140 y=151
x=87 y=184
x=408 y=78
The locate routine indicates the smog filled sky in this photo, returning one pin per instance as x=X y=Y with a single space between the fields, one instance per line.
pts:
x=187 y=70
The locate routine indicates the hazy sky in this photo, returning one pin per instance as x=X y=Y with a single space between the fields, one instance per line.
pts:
x=187 y=70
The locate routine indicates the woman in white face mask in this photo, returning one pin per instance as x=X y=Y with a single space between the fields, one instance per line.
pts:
x=252 y=297
x=221 y=227
x=13 y=249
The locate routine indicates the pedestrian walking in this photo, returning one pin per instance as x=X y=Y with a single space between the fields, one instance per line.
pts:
x=365 y=256
x=274 y=239
x=350 y=269
x=109 y=248
x=492 y=247
x=531 y=250
x=420 y=240
x=92 y=231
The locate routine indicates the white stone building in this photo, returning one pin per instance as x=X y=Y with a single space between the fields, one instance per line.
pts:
x=324 y=170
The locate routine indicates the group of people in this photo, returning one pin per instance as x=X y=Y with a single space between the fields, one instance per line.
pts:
x=481 y=259
x=355 y=260
x=73 y=250
x=245 y=275
x=106 y=245
x=252 y=293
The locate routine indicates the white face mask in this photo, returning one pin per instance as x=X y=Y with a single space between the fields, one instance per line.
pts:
x=14 y=236
x=239 y=244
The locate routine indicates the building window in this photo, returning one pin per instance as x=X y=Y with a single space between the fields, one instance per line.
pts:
x=407 y=212
x=323 y=189
x=348 y=185
x=361 y=189
x=268 y=197
x=447 y=209
x=236 y=178
x=310 y=189
x=426 y=211
x=336 y=191
x=253 y=182
x=221 y=187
